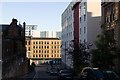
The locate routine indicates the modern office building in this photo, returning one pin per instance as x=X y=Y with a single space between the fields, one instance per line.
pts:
x=81 y=23
x=111 y=21
x=12 y=57
x=43 y=50
x=67 y=31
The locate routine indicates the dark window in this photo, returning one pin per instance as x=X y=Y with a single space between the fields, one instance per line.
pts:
x=26 y=42
x=84 y=17
x=36 y=56
x=29 y=48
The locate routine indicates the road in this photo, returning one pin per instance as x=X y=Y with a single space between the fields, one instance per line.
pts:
x=41 y=73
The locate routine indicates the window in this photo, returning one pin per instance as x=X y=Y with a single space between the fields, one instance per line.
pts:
x=33 y=51
x=36 y=55
x=55 y=55
x=52 y=43
x=36 y=42
x=47 y=55
x=34 y=47
x=36 y=51
x=47 y=42
x=84 y=30
x=58 y=55
x=84 y=17
x=52 y=56
x=33 y=42
x=45 y=51
x=52 y=51
x=80 y=19
x=28 y=48
x=39 y=55
x=47 y=47
x=28 y=42
x=33 y=55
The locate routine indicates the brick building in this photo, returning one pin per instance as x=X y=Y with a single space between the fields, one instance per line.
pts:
x=14 y=61
x=111 y=21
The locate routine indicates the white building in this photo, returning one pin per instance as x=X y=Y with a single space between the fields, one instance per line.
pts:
x=31 y=30
x=81 y=24
x=67 y=31
x=50 y=34
x=90 y=20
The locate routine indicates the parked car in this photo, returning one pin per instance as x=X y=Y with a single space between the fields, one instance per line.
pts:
x=89 y=73
x=110 y=75
x=65 y=75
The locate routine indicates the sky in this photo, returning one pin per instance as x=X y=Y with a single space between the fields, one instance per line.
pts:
x=47 y=15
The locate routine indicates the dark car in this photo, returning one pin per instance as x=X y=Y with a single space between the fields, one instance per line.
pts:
x=89 y=73
x=65 y=75
x=110 y=75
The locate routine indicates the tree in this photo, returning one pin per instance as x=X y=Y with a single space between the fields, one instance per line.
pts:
x=80 y=56
x=105 y=52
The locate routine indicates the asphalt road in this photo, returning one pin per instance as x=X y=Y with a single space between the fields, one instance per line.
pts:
x=41 y=73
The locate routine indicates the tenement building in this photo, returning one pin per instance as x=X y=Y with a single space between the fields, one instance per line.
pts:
x=43 y=50
x=111 y=21
x=13 y=58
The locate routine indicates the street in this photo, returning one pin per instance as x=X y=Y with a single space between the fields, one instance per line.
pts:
x=41 y=73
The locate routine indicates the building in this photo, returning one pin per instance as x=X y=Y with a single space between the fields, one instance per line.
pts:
x=13 y=57
x=43 y=50
x=67 y=31
x=80 y=24
x=89 y=21
x=31 y=30
x=111 y=21
x=50 y=34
